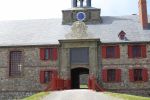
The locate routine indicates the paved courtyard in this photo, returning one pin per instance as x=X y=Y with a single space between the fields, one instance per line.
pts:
x=79 y=95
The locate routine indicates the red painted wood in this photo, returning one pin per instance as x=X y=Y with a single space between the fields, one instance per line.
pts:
x=55 y=54
x=42 y=53
x=103 y=51
x=118 y=75
x=117 y=51
x=42 y=77
x=143 y=47
x=67 y=84
x=131 y=75
x=130 y=51
x=104 y=75
x=89 y=83
x=145 y=74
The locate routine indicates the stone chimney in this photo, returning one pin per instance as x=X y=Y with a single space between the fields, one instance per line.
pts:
x=143 y=13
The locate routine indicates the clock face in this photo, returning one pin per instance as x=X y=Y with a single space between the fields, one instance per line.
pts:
x=80 y=16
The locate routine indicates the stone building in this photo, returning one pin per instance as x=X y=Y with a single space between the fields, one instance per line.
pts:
x=116 y=50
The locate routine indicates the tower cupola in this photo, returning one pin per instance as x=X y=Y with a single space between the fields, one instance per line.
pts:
x=81 y=10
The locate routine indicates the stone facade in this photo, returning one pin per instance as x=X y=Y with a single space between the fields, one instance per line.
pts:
x=124 y=63
x=92 y=15
x=29 y=80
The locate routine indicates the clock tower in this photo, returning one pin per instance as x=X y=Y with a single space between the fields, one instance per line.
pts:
x=81 y=11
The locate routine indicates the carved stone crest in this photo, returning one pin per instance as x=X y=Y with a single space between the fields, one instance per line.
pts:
x=78 y=31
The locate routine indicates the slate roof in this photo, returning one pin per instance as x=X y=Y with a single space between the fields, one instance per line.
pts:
x=49 y=31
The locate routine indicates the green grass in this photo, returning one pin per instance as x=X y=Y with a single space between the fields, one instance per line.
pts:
x=37 y=96
x=127 y=97
x=83 y=86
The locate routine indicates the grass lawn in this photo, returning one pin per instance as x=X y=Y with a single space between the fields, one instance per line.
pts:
x=83 y=86
x=37 y=96
x=127 y=97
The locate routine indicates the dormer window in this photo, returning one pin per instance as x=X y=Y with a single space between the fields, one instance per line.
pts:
x=121 y=35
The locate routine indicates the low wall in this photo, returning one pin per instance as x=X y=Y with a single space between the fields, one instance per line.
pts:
x=13 y=95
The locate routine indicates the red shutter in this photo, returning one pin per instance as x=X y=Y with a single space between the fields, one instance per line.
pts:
x=130 y=51
x=42 y=76
x=117 y=51
x=104 y=51
x=104 y=75
x=131 y=75
x=118 y=75
x=145 y=75
x=42 y=53
x=55 y=54
x=143 y=50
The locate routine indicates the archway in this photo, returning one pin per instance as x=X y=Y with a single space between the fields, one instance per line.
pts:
x=76 y=78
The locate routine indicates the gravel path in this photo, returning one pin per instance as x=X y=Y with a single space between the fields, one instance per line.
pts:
x=78 y=95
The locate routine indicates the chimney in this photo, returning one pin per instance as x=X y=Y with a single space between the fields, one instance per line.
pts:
x=143 y=13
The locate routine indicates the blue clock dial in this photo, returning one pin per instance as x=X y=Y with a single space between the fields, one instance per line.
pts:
x=80 y=16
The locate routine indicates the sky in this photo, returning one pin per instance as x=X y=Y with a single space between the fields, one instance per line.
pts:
x=45 y=9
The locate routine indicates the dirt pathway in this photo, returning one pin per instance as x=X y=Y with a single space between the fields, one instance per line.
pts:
x=78 y=95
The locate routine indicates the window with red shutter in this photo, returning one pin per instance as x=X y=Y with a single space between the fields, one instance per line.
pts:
x=137 y=51
x=104 y=75
x=112 y=51
x=46 y=75
x=48 y=54
x=131 y=75
x=145 y=74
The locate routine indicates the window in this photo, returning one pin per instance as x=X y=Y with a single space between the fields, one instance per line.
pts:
x=79 y=55
x=111 y=51
x=137 y=51
x=48 y=54
x=111 y=75
x=140 y=74
x=15 y=63
x=121 y=35
x=46 y=76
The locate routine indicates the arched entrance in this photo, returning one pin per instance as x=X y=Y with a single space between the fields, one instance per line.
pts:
x=79 y=76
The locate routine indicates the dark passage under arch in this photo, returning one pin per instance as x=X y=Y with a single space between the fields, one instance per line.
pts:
x=75 y=76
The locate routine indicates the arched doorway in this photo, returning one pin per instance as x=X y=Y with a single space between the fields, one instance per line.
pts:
x=79 y=76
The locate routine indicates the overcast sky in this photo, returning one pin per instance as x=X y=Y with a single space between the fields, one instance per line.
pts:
x=43 y=9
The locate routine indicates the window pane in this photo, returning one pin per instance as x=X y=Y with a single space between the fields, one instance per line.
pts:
x=48 y=76
x=111 y=73
x=79 y=55
x=110 y=52
x=46 y=54
x=15 y=63
x=136 y=51
x=137 y=74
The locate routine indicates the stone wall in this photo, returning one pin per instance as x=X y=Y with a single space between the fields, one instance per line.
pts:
x=7 y=95
x=29 y=79
x=124 y=63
